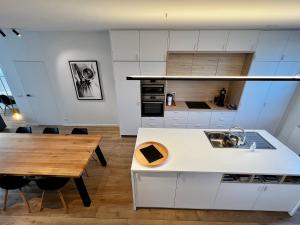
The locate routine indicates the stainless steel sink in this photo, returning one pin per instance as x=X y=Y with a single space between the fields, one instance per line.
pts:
x=220 y=139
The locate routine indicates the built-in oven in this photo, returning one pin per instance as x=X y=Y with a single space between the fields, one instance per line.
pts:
x=153 y=105
x=153 y=87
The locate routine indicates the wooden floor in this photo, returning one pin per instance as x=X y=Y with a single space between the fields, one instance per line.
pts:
x=110 y=191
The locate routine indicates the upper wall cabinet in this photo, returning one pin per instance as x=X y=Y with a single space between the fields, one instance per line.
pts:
x=242 y=40
x=271 y=45
x=153 y=68
x=212 y=40
x=292 y=50
x=125 y=45
x=183 y=40
x=153 y=45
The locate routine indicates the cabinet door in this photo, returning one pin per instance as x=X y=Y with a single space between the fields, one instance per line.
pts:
x=125 y=45
x=271 y=45
x=155 y=189
x=254 y=95
x=197 y=190
x=278 y=97
x=237 y=196
x=199 y=120
x=222 y=119
x=153 y=45
x=278 y=197
x=292 y=50
x=242 y=40
x=128 y=97
x=153 y=68
x=212 y=40
x=176 y=119
x=183 y=40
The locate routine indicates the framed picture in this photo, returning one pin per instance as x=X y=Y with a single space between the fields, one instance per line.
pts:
x=86 y=79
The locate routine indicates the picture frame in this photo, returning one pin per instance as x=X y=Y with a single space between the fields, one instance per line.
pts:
x=86 y=79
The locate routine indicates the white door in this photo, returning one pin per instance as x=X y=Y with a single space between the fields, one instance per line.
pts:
x=278 y=97
x=242 y=40
x=197 y=190
x=38 y=91
x=278 y=197
x=254 y=95
x=125 y=45
x=237 y=196
x=271 y=45
x=293 y=139
x=212 y=40
x=183 y=40
x=128 y=97
x=153 y=68
x=155 y=189
x=153 y=45
x=292 y=50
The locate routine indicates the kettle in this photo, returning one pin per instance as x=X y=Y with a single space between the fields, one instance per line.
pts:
x=170 y=99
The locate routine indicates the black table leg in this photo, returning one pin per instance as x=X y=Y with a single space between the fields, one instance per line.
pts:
x=82 y=191
x=100 y=156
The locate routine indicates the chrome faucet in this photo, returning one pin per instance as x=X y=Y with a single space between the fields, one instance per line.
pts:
x=239 y=139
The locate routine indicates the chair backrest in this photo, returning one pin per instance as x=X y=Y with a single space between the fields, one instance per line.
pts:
x=13 y=182
x=51 y=130
x=52 y=183
x=5 y=100
x=78 y=130
x=24 y=130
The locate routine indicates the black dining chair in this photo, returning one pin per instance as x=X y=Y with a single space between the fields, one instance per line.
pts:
x=24 y=130
x=12 y=183
x=7 y=102
x=53 y=184
x=51 y=130
x=80 y=130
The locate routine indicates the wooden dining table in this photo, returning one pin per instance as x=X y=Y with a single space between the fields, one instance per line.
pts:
x=54 y=155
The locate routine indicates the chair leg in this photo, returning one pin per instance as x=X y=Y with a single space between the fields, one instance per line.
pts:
x=86 y=173
x=5 y=200
x=63 y=201
x=25 y=200
x=42 y=200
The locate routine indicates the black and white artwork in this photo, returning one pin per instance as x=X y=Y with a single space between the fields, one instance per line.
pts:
x=86 y=80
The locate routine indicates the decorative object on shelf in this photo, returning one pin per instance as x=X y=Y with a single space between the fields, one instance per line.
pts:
x=151 y=154
x=86 y=79
x=220 y=99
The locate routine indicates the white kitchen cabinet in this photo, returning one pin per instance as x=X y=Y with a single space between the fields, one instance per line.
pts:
x=153 y=68
x=242 y=40
x=271 y=45
x=278 y=97
x=277 y=197
x=254 y=95
x=237 y=196
x=183 y=40
x=153 y=45
x=292 y=49
x=153 y=122
x=155 y=189
x=125 y=45
x=199 y=120
x=212 y=40
x=197 y=190
x=176 y=119
x=128 y=97
x=222 y=119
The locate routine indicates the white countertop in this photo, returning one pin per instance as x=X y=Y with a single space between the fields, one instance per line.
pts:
x=191 y=151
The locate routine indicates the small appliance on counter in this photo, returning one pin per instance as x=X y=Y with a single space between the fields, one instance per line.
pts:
x=220 y=99
x=170 y=99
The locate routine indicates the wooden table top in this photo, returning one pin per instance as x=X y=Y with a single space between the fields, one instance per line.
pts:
x=46 y=154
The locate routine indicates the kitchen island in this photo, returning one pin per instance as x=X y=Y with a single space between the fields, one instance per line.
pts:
x=198 y=176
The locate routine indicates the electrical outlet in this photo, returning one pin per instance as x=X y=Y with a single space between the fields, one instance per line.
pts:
x=173 y=93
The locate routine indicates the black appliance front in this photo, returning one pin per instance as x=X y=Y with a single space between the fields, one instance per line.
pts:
x=153 y=109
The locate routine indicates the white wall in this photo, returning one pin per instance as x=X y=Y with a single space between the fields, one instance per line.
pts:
x=291 y=118
x=56 y=49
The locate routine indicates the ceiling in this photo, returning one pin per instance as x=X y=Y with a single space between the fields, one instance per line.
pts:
x=148 y=14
